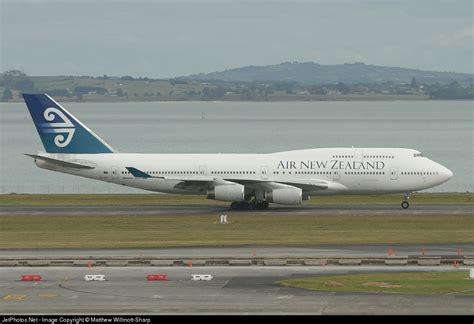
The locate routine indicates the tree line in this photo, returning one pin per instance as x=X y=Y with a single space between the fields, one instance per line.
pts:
x=219 y=90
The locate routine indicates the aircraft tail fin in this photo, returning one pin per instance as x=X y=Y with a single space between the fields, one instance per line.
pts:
x=60 y=131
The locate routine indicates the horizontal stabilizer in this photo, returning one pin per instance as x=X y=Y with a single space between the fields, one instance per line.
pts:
x=61 y=163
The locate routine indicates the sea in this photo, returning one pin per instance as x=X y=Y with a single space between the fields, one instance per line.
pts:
x=441 y=130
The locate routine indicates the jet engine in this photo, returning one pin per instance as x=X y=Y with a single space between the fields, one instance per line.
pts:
x=231 y=192
x=285 y=196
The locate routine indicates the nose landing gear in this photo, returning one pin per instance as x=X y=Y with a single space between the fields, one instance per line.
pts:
x=405 y=203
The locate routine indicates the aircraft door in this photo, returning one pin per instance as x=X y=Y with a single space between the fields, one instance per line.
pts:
x=202 y=170
x=264 y=172
x=336 y=175
x=358 y=154
x=393 y=174
x=114 y=173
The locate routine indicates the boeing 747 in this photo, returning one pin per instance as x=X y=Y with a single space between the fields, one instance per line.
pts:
x=248 y=181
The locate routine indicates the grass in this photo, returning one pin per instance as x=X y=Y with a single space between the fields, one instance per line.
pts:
x=154 y=199
x=426 y=283
x=250 y=228
x=152 y=231
x=104 y=200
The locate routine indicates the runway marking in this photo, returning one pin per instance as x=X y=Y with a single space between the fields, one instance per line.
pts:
x=15 y=297
x=285 y=297
x=46 y=296
x=156 y=296
x=101 y=294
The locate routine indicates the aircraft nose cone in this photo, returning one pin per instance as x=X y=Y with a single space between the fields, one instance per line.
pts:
x=448 y=173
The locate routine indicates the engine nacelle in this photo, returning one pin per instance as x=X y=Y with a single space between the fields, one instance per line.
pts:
x=285 y=196
x=233 y=192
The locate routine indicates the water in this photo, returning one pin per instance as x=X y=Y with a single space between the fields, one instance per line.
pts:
x=442 y=130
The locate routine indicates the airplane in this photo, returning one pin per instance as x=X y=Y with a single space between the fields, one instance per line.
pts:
x=248 y=181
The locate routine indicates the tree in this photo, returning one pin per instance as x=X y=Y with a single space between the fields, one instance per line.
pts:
x=414 y=84
x=18 y=80
x=213 y=93
x=7 y=95
x=85 y=90
x=452 y=91
x=343 y=88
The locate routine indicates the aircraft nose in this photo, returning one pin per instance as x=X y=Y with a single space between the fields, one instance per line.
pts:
x=445 y=173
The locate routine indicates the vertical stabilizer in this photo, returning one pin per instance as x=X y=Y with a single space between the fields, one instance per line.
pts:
x=60 y=131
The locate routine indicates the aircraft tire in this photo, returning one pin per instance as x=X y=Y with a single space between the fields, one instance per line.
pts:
x=235 y=205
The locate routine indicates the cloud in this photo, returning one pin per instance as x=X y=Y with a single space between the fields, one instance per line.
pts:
x=464 y=34
x=458 y=37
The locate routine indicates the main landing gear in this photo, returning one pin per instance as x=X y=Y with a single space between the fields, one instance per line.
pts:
x=249 y=205
x=405 y=203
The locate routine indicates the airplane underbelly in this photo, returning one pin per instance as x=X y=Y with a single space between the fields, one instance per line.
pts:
x=166 y=186
x=369 y=185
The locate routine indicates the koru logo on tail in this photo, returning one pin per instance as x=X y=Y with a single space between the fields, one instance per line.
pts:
x=63 y=128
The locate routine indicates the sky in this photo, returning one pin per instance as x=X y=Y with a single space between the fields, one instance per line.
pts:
x=169 y=38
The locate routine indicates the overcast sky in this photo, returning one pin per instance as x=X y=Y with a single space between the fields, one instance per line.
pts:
x=166 y=38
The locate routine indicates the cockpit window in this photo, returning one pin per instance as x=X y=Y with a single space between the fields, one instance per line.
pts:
x=418 y=155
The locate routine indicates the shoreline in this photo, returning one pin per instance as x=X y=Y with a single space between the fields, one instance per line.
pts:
x=61 y=99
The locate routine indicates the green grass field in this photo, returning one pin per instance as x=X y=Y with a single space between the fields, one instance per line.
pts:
x=426 y=283
x=152 y=231
x=105 y=199
x=244 y=228
x=156 y=199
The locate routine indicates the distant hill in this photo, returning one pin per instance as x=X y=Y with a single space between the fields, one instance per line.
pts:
x=314 y=73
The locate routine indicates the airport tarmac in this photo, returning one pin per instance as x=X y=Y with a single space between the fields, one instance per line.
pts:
x=319 y=251
x=234 y=290
x=212 y=209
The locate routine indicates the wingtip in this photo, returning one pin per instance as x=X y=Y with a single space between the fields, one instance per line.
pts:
x=138 y=173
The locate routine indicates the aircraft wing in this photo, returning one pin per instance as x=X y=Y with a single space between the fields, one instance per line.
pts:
x=252 y=184
x=183 y=181
x=265 y=185
x=306 y=185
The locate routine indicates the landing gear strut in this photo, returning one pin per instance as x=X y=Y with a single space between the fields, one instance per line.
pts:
x=405 y=203
x=250 y=205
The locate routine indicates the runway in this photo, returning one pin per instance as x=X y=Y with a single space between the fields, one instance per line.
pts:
x=236 y=290
x=213 y=209
x=319 y=251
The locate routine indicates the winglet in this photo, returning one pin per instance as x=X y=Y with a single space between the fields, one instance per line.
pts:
x=137 y=173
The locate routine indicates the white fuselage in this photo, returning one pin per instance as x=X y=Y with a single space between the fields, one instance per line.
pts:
x=343 y=170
